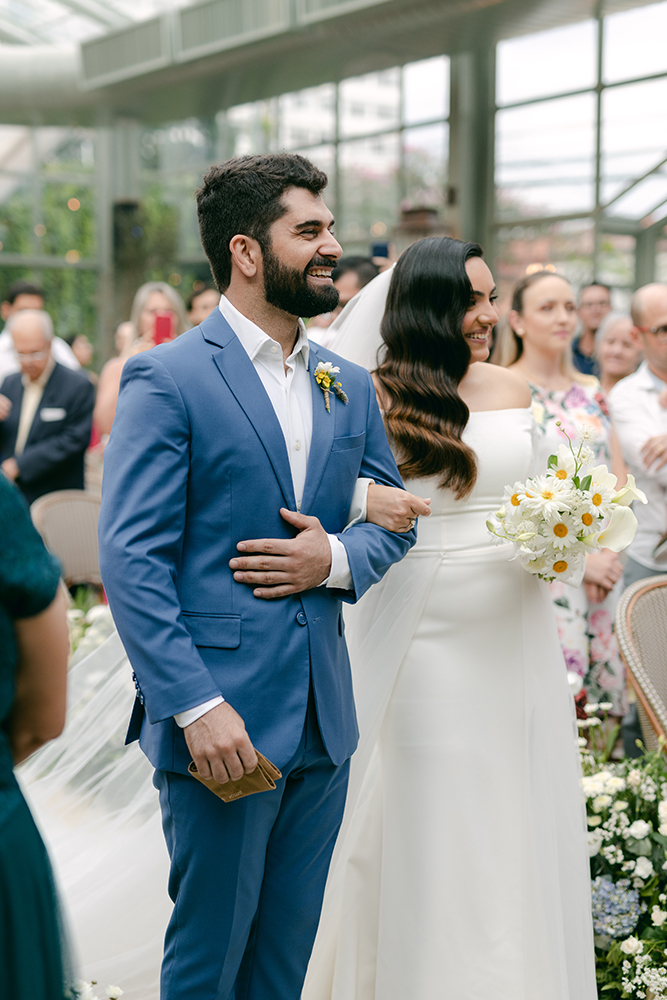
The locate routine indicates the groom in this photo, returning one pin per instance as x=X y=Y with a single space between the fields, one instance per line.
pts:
x=229 y=478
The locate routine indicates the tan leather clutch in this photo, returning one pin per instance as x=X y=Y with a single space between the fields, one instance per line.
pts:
x=262 y=779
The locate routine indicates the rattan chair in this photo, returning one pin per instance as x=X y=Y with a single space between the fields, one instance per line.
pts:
x=67 y=521
x=641 y=628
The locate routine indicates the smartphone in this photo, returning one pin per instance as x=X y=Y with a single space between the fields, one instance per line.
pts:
x=380 y=250
x=164 y=327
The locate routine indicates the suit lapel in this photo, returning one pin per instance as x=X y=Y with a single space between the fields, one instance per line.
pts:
x=49 y=395
x=239 y=373
x=323 y=434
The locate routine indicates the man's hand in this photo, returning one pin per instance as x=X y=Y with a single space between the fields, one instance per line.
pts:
x=394 y=509
x=10 y=468
x=5 y=407
x=655 y=450
x=285 y=566
x=220 y=745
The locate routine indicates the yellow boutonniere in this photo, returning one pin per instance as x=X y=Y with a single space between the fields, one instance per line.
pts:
x=325 y=376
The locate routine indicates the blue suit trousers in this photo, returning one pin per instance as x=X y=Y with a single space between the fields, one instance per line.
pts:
x=247 y=878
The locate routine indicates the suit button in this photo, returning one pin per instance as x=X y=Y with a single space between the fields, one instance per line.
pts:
x=301 y=618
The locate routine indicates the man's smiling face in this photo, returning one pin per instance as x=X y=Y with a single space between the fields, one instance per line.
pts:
x=301 y=256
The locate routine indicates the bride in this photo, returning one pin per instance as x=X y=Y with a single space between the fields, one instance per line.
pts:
x=461 y=871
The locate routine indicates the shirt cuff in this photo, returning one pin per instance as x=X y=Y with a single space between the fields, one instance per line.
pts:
x=358 y=507
x=191 y=715
x=339 y=576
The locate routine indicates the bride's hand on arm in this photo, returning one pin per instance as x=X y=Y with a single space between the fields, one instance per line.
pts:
x=603 y=570
x=394 y=509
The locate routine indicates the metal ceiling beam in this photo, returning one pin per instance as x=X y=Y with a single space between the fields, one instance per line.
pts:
x=10 y=32
x=108 y=16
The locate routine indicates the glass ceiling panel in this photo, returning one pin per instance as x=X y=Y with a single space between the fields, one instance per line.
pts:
x=60 y=21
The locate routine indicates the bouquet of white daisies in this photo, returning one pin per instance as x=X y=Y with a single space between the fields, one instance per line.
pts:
x=575 y=508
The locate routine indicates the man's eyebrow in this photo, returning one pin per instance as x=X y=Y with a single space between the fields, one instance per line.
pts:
x=313 y=223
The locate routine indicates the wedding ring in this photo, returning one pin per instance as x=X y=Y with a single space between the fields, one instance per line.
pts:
x=412 y=523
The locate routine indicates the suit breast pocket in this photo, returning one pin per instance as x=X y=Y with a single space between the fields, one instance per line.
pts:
x=217 y=631
x=348 y=442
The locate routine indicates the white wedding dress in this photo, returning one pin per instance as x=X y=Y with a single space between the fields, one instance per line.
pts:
x=461 y=872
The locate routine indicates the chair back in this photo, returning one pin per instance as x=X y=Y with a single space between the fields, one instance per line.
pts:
x=67 y=521
x=641 y=629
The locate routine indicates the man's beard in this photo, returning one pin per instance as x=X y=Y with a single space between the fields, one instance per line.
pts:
x=288 y=289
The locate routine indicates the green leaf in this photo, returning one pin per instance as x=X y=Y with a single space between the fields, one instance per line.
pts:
x=575 y=480
x=586 y=484
x=552 y=461
x=641 y=848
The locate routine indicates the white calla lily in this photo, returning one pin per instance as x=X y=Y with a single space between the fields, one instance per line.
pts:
x=602 y=479
x=619 y=532
x=628 y=493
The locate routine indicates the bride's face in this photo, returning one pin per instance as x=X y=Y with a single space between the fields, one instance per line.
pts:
x=482 y=315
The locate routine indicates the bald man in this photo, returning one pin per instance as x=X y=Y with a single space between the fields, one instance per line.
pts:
x=46 y=412
x=640 y=419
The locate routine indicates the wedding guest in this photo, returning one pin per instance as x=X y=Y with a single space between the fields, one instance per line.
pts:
x=349 y=276
x=201 y=303
x=594 y=304
x=45 y=413
x=640 y=417
x=617 y=352
x=83 y=352
x=33 y=671
x=25 y=295
x=152 y=298
x=537 y=343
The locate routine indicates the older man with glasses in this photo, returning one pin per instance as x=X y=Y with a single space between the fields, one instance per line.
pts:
x=46 y=413
x=639 y=410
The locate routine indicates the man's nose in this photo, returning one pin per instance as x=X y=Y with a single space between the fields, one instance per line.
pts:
x=331 y=247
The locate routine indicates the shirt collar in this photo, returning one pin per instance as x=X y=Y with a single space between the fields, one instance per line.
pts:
x=649 y=380
x=43 y=378
x=255 y=341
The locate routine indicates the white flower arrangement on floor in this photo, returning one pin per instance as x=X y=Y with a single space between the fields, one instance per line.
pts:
x=85 y=991
x=626 y=805
x=555 y=519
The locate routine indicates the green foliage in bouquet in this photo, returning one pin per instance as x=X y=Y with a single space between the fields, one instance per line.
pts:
x=626 y=804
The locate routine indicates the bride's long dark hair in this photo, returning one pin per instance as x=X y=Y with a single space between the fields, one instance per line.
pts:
x=424 y=357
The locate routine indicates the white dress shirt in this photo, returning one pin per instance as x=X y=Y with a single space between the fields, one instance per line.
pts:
x=33 y=390
x=288 y=386
x=638 y=416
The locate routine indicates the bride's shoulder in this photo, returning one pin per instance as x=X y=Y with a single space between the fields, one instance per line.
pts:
x=498 y=388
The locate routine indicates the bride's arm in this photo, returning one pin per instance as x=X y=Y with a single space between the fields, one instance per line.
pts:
x=394 y=509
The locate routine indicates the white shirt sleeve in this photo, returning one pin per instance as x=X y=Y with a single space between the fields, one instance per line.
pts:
x=191 y=715
x=339 y=576
x=359 y=505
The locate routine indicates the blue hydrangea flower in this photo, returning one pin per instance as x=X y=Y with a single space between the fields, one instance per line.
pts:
x=616 y=907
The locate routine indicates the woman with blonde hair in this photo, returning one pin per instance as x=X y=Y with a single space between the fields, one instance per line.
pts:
x=152 y=298
x=536 y=342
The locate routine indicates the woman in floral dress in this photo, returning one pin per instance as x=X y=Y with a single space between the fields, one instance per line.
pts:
x=536 y=342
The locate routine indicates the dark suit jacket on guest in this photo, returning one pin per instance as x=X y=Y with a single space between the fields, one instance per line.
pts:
x=52 y=458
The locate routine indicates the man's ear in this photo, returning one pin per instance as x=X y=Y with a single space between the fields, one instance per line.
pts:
x=5 y=310
x=637 y=337
x=246 y=255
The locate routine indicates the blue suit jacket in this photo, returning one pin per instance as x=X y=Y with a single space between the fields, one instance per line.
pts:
x=197 y=462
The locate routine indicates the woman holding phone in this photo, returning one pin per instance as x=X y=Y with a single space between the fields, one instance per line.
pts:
x=158 y=314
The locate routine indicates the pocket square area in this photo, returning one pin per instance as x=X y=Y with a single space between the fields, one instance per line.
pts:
x=50 y=413
x=262 y=779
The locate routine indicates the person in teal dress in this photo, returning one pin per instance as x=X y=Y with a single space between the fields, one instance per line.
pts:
x=34 y=649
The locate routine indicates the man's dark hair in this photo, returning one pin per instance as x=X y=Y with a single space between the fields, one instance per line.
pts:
x=243 y=195
x=595 y=284
x=207 y=287
x=363 y=267
x=23 y=288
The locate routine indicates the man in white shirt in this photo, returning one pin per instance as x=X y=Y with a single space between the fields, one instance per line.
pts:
x=640 y=419
x=24 y=295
